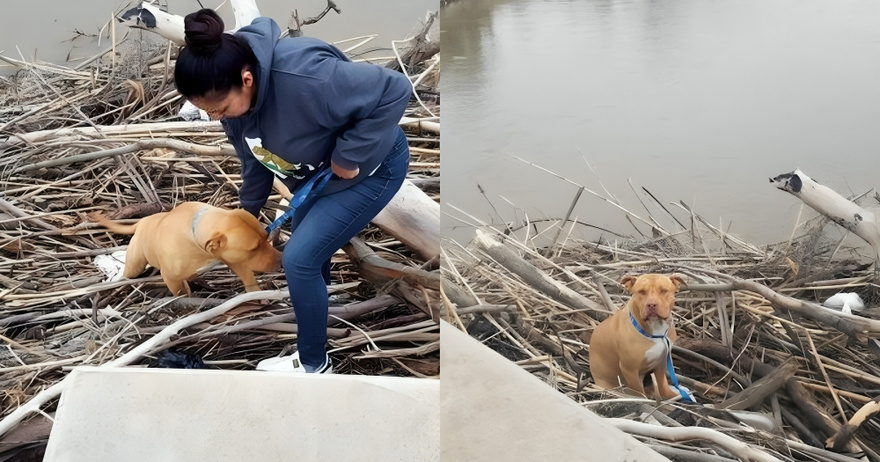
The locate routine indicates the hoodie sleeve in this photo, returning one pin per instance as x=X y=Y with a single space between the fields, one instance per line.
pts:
x=256 y=180
x=368 y=100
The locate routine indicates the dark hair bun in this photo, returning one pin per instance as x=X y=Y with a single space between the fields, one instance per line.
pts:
x=204 y=31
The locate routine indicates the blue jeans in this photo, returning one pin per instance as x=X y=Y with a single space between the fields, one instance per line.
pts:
x=321 y=228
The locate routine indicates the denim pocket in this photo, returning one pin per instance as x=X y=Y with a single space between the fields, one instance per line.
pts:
x=396 y=163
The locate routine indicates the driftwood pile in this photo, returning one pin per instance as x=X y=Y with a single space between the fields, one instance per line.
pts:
x=776 y=375
x=96 y=138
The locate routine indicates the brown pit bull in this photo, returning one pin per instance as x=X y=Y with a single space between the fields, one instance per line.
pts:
x=619 y=353
x=192 y=235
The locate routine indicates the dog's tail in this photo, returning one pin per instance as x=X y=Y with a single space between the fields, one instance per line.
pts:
x=117 y=228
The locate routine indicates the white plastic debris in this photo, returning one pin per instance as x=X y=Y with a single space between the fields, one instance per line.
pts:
x=190 y=112
x=846 y=302
x=111 y=265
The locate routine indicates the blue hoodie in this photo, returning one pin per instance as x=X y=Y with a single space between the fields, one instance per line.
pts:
x=313 y=105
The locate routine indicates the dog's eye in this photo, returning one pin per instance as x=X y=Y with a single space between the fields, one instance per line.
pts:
x=643 y=292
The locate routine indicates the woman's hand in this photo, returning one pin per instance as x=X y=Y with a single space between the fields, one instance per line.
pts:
x=342 y=172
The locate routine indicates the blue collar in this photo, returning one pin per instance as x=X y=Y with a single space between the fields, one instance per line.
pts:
x=197 y=217
x=642 y=331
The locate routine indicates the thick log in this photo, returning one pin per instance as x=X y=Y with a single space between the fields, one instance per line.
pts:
x=457 y=294
x=244 y=11
x=762 y=388
x=854 y=218
x=372 y=267
x=417 y=286
x=170 y=26
x=150 y=17
x=413 y=218
x=421 y=124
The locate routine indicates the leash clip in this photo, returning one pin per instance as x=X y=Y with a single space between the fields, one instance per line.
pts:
x=312 y=186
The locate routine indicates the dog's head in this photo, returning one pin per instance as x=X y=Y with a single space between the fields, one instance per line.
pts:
x=243 y=242
x=653 y=295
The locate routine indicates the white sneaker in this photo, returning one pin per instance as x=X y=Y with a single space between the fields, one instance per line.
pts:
x=292 y=364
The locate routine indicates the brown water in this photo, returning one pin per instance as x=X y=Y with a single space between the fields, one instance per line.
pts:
x=696 y=101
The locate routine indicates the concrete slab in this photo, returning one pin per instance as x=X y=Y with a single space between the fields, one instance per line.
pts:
x=187 y=415
x=493 y=410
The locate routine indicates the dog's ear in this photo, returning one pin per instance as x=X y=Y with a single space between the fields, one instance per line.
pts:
x=217 y=242
x=628 y=282
x=251 y=221
x=676 y=279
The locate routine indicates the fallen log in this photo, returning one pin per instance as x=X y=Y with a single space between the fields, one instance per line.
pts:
x=414 y=285
x=762 y=388
x=412 y=217
x=374 y=267
x=854 y=218
x=457 y=295
x=421 y=124
x=149 y=17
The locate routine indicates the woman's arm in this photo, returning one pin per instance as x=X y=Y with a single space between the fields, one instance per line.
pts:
x=369 y=101
x=256 y=180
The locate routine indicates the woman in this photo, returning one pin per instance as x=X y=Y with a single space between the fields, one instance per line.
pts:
x=292 y=108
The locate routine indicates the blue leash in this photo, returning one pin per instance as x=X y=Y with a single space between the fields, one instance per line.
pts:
x=686 y=394
x=312 y=186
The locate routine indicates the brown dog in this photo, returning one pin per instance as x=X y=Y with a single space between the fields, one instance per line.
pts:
x=619 y=350
x=192 y=235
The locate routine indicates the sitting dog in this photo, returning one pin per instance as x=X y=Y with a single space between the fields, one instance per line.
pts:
x=192 y=235
x=622 y=352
